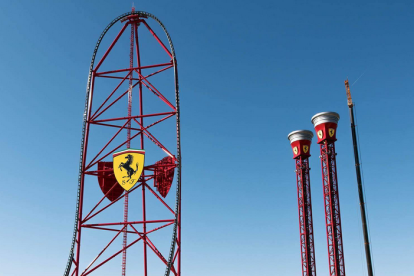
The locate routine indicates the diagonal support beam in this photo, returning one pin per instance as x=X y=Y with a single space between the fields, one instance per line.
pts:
x=103 y=250
x=159 y=198
x=157 y=38
x=154 y=248
x=110 y=48
x=110 y=204
x=110 y=258
x=155 y=141
x=155 y=91
x=110 y=95
x=107 y=144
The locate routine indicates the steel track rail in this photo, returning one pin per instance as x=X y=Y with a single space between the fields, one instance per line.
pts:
x=85 y=114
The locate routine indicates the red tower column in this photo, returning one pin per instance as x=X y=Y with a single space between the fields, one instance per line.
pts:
x=325 y=124
x=300 y=141
x=111 y=126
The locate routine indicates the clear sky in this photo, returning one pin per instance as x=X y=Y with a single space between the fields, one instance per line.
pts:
x=250 y=72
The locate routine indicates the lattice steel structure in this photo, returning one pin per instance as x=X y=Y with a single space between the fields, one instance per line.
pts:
x=325 y=126
x=129 y=126
x=300 y=141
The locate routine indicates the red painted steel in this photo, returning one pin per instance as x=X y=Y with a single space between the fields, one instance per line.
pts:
x=107 y=181
x=332 y=210
x=126 y=199
x=325 y=124
x=301 y=154
x=97 y=163
x=164 y=174
x=307 y=246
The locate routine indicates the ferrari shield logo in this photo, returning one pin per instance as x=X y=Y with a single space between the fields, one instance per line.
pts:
x=305 y=148
x=295 y=150
x=331 y=132
x=320 y=134
x=128 y=165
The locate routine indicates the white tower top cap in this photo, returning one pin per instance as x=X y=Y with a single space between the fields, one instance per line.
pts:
x=298 y=135
x=325 y=117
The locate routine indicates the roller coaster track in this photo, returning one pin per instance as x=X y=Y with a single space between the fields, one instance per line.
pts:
x=85 y=115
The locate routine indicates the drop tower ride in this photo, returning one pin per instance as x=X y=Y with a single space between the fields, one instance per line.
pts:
x=300 y=141
x=325 y=124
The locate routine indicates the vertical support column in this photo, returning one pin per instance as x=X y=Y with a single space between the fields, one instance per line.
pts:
x=141 y=112
x=300 y=141
x=325 y=124
x=126 y=201
x=82 y=175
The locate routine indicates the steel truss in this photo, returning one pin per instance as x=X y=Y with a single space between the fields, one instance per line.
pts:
x=307 y=247
x=332 y=210
x=131 y=123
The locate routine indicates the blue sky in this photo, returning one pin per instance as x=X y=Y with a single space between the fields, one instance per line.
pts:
x=250 y=73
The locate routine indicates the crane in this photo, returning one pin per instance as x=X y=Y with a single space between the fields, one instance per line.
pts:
x=359 y=181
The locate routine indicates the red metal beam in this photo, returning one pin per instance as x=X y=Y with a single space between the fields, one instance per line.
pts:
x=113 y=77
x=110 y=48
x=110 y=258
x=112 y=151
x=103 y=250
x=107 y=229
x=159 y=198
x=169 y=64
x=107 y=144
x=110 y=95
x=110 y=204
x=154 y=249
x=155 y=141
x=332 y=210
x=307 y=246
x=158 y=228
x=115 y=126
x=135 y=117
x=107 y=193
x=155 y=91
x=130 y=222
x=157 y=38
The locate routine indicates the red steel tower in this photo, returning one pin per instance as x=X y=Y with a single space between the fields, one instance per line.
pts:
x=300 y=140
x=325 y=124
x=130 y=106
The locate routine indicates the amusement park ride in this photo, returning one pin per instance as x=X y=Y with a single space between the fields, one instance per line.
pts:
x=123 y=160
x=300 y=141
x=325 y=124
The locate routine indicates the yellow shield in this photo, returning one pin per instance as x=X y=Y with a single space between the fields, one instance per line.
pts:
x=320 y=134
x=295 y=150
x=305 y=148
x=331 y=132
x=128 y=165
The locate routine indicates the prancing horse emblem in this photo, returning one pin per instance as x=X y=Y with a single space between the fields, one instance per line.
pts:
x=128 y=165
x=320 y=134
